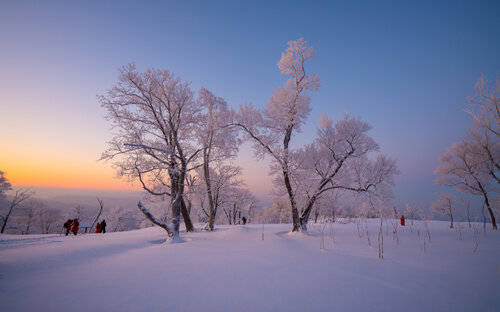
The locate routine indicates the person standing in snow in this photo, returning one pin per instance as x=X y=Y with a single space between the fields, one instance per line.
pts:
x=244 y=220
x=74 y=227
x=67 y=226
x=98 y=228
x=103 y=226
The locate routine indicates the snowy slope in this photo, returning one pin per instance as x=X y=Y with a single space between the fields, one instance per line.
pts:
x=233 y=269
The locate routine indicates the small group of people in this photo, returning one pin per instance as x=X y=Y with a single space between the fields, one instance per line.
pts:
x=101 y=227
x=71 y=225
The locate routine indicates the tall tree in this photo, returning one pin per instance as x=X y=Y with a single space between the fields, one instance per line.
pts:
x=156 y=115
x=272 y=128
x=338 y=160
x=472 y=164
x=462 y=168
x=219 y=144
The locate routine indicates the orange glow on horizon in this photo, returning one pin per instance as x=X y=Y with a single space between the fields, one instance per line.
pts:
x=84 y=175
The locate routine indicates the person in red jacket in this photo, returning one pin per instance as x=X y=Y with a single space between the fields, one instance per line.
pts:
x=74 y=227
x=67 y=226
x=98 y=228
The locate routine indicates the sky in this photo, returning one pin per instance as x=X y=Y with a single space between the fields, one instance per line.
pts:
x=405 y=67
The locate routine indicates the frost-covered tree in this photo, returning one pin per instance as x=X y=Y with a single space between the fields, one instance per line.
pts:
x=117 y=218
x=411 y=211
x=338 y=160
x=473 y=165
x=462 y=168
x=223 y=178
x=445 y=205
x=48 y=219
x=4 y=184
x=155 y=115
x=485 y=104
x=279 y=211
x=240 y=204
x=28 y=213
x=219 y=144
x=486 y=149
x=77 y=212
x=272 y=128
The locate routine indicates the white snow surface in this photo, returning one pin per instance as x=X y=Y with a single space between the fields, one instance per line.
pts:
x=233 y=269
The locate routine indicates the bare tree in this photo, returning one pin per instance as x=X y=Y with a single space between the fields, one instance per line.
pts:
x=445 y=206
x=101 y=206
x=20 y=195
x=48 y=219
x=29 y=212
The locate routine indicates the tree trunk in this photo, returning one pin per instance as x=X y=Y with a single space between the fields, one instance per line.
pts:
x=493 y=220
x=211 y=208
x=154 y=220
x=188 y=206
x=101 y=204
x=304 y=218
x=295 y=212
x=186 y=217
x=487 y=202
x=6 y=218
x=176 y=203
x=286 y=177
x=234 y=213
x=176 y=214
x=468 y=215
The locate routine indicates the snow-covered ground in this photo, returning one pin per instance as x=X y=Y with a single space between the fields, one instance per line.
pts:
x=233 y=269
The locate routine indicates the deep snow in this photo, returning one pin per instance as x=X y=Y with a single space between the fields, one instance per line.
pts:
x=233 y=269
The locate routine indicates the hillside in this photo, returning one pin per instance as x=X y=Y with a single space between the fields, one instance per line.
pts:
x=233 y=269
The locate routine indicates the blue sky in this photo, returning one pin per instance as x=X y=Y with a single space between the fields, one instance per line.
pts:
x=406 y=67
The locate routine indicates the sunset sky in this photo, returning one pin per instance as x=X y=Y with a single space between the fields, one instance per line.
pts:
x=405 y=67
